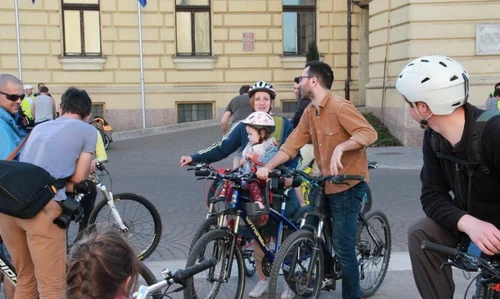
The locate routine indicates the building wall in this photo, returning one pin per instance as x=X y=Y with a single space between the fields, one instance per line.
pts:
x=169 y=79
x=417 y=28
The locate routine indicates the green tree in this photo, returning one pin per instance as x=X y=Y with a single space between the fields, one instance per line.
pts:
x=312 y=52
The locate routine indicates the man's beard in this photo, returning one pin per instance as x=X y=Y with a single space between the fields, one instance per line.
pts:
x=307 y=94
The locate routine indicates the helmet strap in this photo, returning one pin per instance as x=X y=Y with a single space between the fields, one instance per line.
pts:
x=424 y=124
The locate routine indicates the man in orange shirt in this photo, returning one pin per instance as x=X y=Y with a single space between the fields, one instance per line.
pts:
x=340 y=135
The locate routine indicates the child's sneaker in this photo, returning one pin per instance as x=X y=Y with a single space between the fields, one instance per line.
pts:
x=260 y=289
x=287 y=293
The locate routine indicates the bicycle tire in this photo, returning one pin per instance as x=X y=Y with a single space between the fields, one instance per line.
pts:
x=198 y=250
x=293 y=239
x=149 y=207
x=361 y=247
x=149 y=278
x=210 y=224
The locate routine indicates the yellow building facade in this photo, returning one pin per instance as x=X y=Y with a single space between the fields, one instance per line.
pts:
x=198 y=53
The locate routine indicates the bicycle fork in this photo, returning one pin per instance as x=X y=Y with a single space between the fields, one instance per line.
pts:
x=111 y=203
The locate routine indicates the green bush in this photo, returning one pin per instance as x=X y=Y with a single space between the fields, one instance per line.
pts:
x=385 y=137
x=312 y=52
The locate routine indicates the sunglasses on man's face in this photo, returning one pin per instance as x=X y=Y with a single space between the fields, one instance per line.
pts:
x=13 y=97
x=299 y=79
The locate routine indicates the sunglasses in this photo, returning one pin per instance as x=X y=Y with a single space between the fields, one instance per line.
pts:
x=13 y=97
x=299 y=79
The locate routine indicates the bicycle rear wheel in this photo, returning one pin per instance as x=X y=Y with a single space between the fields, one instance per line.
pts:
x=373 y=247
x=211 y=283
x=293 y=261
x=139 y=216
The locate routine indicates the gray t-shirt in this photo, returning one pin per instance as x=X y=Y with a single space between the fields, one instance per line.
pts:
x=44 y=108
x=56 y=146
x=240 y=107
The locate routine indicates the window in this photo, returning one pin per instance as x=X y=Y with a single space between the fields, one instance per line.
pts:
x=193 y=27
x=289 y=106
x=194 y=112
x=299 y=26
x=97 y=110
x=82 y=28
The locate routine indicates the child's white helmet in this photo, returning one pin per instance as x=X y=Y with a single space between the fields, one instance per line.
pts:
x=261 y=120
x=439 y=81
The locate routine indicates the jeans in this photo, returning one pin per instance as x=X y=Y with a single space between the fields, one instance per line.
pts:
x=344 y=208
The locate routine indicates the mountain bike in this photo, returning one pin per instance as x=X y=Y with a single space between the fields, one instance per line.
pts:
x=169 y=278
x=222 y=242
x=488 y=279
x=145 y=275
x=133 y=215
x=305 y=254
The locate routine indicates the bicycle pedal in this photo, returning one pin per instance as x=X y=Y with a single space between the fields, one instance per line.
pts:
x=326 y=284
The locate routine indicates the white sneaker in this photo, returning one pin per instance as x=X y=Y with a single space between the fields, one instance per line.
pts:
x=287 y=293
x=260 y=289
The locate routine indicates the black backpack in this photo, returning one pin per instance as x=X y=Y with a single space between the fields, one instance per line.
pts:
x=475 y=142
x=25 y=189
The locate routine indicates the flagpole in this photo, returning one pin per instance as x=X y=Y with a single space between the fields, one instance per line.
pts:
x=143 y=101
x=19 y=64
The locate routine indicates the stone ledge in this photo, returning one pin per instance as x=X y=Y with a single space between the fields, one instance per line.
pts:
x=81 y=63
x=194 y=62
x=164 y=129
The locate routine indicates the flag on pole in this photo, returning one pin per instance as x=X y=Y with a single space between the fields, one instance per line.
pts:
x=142 y=2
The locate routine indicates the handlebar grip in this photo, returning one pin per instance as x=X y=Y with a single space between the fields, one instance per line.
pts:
x=274 y=174
x=181 y=275
x=202 y=173
x=426 y=245
x=348 y=177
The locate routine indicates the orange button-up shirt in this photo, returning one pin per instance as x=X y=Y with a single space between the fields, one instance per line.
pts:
x=335 y=121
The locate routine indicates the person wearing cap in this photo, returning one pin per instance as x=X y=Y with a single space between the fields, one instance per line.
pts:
x=27 y=101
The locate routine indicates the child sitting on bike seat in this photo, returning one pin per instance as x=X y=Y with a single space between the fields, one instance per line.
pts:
x=260 y=149
x=101 y=265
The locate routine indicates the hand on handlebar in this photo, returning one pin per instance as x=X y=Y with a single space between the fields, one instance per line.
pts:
x=186 y=160
x=485 y=235
x=335 y=163
x=263 y=173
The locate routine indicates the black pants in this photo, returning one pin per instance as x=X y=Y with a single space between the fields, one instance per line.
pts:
x=87 y=203
x=432 y=281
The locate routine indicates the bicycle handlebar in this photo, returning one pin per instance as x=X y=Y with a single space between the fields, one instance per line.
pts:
x=335 y=179
x=181 y=275
x=453 y=252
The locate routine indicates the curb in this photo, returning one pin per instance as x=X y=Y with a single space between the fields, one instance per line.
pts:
x=117 y=136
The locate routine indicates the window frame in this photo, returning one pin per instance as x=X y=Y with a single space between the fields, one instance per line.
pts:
x=298 y=9
x=178 y=104
x=194 y=9
x=289 y=102
x=81 y=7
x=101 y=104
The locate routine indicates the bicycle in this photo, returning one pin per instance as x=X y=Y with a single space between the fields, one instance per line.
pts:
x=225 y=237
x=112 y=210
x=488 y=279
x=306 y=253
x=169 y=278
x=145 y=275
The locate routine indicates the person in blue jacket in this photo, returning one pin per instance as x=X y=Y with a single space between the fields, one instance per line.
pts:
x=11 y=134
x=262 y=95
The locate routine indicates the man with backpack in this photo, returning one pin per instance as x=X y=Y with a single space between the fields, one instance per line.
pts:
x=11 y=134
x=460 y=150
x=63 y=148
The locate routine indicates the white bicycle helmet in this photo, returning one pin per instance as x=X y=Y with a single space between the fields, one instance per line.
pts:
x=439 y=81
x=260 y=120
x=262 y=86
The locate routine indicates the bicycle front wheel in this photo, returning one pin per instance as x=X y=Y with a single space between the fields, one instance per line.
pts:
x=293 y=261
x=212 y=282
x=140 y=216
x=373 y=247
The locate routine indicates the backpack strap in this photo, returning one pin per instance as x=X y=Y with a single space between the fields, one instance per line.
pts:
x=477 y=134
x=17 y=149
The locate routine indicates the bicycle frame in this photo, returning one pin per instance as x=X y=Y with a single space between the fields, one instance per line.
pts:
x=237 y=204
x=8 y=269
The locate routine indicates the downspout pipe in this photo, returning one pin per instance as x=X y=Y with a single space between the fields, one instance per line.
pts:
x=347 y=84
